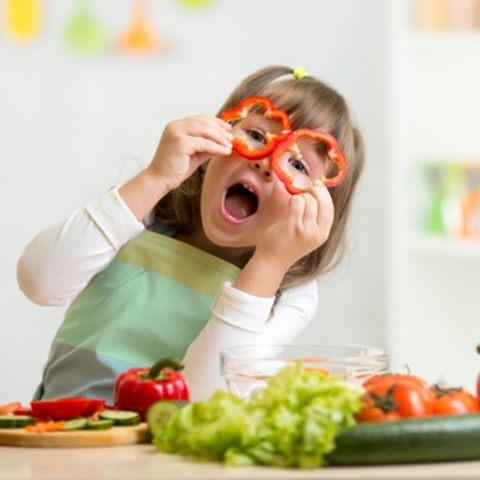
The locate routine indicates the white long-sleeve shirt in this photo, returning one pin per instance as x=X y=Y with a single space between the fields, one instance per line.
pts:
x=61 y=260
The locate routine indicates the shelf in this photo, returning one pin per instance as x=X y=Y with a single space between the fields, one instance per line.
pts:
x=444 y=247
x=429 y=41
x=434 y=80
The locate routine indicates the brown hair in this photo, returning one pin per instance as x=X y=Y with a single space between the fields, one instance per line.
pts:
x=310 y=103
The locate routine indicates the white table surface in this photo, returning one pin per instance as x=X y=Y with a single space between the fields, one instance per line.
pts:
x=139 y=462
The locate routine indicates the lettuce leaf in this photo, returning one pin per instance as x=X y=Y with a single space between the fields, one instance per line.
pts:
x=292 y=422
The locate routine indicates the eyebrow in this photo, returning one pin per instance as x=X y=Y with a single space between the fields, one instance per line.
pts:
x=266 y=124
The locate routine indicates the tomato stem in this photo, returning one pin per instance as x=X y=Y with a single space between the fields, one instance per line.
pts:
x=440 y=391
x=386 y=402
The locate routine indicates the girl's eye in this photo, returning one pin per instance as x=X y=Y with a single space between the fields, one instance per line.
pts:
x=298 y=165
x=257 y=136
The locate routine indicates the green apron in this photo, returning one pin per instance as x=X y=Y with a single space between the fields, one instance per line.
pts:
x=151 y=302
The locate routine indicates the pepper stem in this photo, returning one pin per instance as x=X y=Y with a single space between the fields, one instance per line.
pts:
x=156 y=371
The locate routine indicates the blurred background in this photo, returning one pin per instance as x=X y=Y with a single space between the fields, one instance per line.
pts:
x=86 y=88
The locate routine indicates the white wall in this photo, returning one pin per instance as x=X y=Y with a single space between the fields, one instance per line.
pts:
x=71 y=125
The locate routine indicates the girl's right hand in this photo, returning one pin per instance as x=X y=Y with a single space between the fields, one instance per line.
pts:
x=186 y=144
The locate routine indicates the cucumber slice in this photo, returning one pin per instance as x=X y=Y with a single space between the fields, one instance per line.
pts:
x=15 y=421
x=75 y=424
x=159 y=413
x=121 y=417
x=100 y=424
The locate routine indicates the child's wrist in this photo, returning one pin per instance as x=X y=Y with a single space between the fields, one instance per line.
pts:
x=261 y=276
x=142 y=193
x=275 y=263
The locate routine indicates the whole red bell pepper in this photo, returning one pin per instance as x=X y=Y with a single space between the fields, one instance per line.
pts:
x=137 y=388
x=242 y=110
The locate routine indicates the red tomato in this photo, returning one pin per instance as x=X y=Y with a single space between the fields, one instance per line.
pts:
x=65 y=408
x=392 y=377
x=395 y=396
x=451 y=401
x=372 y=413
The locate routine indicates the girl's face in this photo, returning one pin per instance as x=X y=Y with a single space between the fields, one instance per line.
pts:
x=241 y=198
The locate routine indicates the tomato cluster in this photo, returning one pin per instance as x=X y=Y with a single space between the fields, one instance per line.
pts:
x=395 y=396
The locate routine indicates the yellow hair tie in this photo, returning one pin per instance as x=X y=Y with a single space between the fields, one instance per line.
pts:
x=300 y=73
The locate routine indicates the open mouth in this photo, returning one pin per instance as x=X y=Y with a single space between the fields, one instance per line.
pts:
x=241 y=201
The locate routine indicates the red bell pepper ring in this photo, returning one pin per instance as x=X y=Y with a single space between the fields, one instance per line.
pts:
x=289 y=144
x=65 y=408
x=242 y=110
x=137 y=388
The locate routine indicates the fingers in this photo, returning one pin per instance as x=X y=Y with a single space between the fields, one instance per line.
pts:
x=312 y=213
x=201 y=137
x=325 y=211
x=304 y=214
x=204 y=145
x=209 y=128
x=187 y=143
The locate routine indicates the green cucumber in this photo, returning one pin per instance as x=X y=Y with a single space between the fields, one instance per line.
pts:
x=440 y=438
x=75 y=424
x=159 y=413
x=100 y=424
x=15 y=421
x=121 y=417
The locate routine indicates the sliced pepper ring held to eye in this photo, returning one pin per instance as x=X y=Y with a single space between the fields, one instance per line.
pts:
x=242 y=110
x=289 y=144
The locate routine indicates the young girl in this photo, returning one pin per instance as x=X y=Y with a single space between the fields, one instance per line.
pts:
x=201 y=250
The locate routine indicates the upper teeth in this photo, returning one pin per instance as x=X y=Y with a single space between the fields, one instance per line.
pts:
x=250 y=189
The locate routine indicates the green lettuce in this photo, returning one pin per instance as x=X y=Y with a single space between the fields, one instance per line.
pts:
x=292 y=422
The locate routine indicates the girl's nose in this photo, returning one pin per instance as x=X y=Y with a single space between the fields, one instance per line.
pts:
x=263 y=167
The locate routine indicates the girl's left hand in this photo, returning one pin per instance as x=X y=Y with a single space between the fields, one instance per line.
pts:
x=304 y=227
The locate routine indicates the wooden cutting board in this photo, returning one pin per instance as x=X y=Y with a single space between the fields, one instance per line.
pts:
x=77 y=438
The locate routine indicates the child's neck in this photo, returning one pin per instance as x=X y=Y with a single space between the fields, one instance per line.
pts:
x=199 y=240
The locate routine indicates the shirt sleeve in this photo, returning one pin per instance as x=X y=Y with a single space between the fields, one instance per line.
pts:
x=239 y=318
x=60 y=261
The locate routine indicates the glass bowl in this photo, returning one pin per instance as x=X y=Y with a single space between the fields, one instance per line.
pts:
x=247 y=367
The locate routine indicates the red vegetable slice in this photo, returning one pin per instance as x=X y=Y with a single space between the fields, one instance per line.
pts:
x=15 y=408
x=289 y=144
x=278 y=145
x=65 y=408
x=11 y=407
x=269 y=111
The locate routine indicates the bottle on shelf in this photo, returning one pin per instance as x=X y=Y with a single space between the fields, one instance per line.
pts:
x=447 y=14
